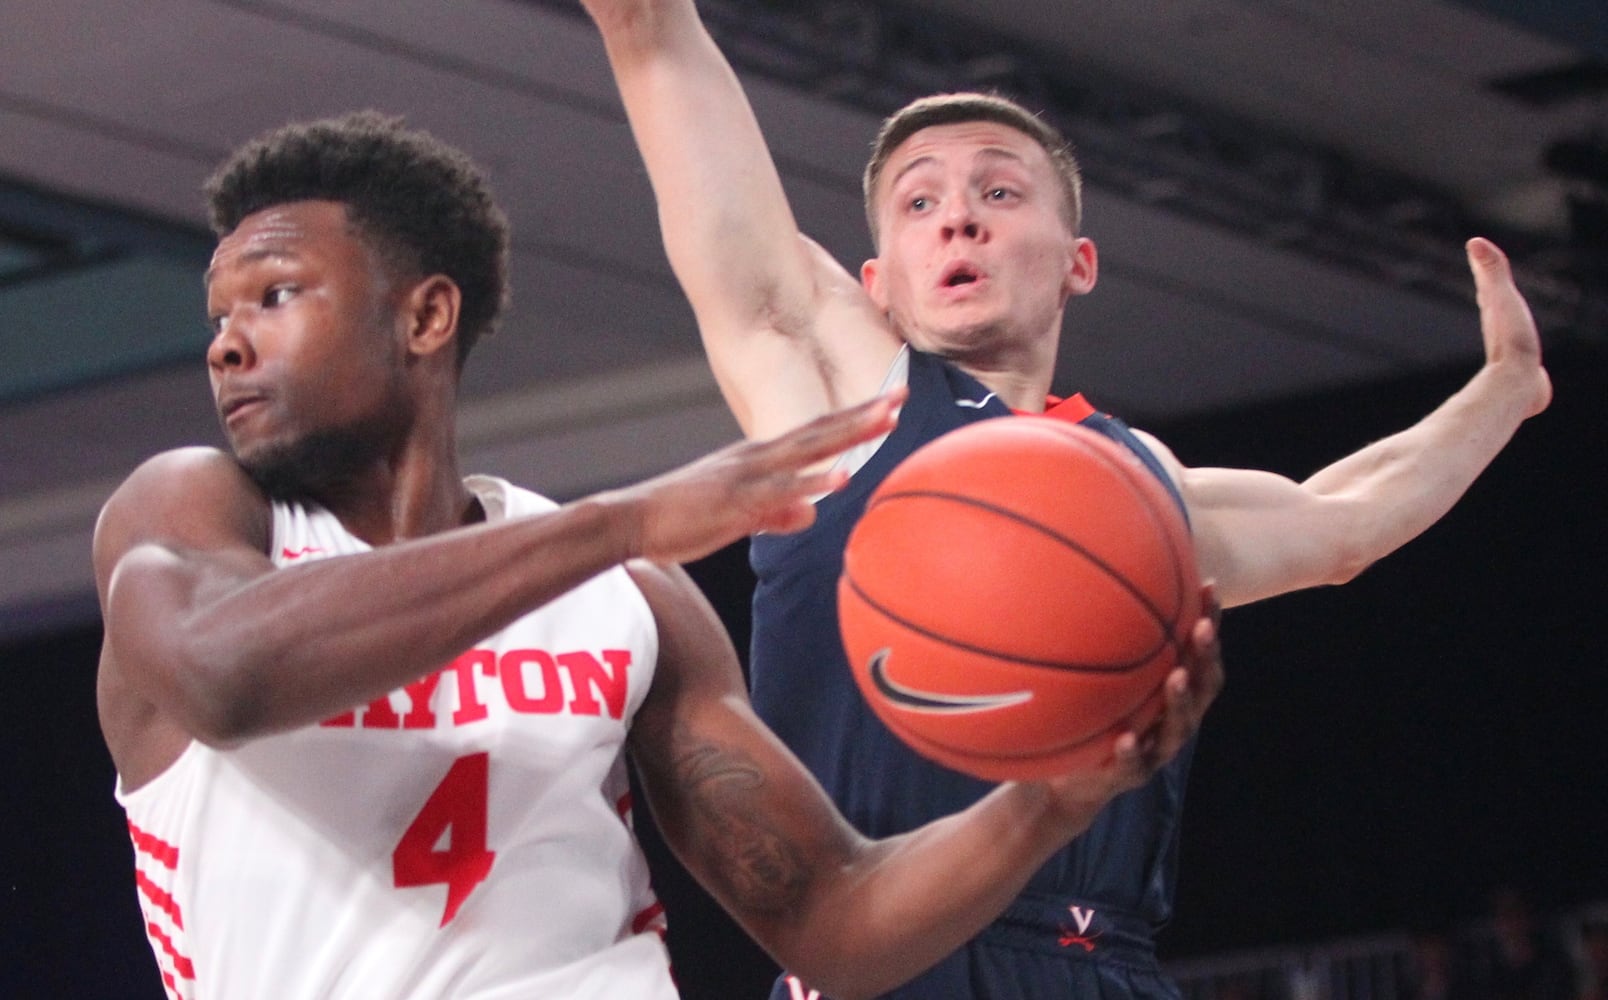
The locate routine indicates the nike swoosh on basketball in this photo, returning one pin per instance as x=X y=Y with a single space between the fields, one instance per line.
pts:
x=935 y=701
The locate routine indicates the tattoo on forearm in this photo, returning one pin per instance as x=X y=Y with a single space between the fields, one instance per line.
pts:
x=758 y=864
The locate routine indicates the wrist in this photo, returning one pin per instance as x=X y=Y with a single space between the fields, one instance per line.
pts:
x=616 y=517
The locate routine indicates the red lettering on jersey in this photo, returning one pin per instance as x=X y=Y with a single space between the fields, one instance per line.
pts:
x=470 y=707
x=590 y=678
x=421 y=715
x=531 y=683
x=380 y=715
x=512 y=672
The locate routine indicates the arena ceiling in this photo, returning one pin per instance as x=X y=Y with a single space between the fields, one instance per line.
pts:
x=1279 y=191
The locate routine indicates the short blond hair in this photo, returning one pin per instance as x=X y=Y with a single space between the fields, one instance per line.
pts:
x=954 y=109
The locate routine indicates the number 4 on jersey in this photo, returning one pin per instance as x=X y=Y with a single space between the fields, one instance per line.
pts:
x=446 y=842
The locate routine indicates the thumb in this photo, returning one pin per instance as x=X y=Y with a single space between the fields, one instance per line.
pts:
x=1488 y=262
x=1504 y=316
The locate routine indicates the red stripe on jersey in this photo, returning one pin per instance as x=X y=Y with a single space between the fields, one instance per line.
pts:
x=172 y=985
x=623 y=806
x=653 y=917
x=154 y=847
x=159 y=897
x=181 y=964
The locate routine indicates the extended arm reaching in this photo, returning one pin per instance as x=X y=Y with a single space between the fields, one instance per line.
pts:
x=225 y=648
x=1259 y=534
x=790 y=334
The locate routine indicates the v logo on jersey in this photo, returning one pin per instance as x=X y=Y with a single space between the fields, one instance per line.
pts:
x=917 y=700
x=1081 y=937
x=796 y=990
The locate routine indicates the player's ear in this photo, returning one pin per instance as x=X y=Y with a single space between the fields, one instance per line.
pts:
x=430 y=310
x=1083 y=268
x=871 y=281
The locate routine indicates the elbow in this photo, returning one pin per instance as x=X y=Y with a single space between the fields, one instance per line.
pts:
x=1361 y=541
x=221 y=699
x=835 y=956
x=854 y=966
x=212 y=694
x=1348 y=564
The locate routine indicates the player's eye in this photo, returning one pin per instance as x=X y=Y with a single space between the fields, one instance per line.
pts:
x=277 y=295
x=920 y=204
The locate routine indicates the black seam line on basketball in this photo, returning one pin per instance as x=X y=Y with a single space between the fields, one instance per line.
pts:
x=1078 y=668
x=1133 y=474
x=1111 y=571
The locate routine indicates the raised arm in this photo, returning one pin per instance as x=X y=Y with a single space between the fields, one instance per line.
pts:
x=789 y=333
x=852 y=916
x=1258 y=534
x=205 y=640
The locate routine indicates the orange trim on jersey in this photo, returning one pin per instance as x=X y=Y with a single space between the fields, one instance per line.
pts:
x=1074 y=409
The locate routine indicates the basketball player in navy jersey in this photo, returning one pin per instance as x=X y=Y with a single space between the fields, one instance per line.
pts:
x=368 y=714
x=974 y=209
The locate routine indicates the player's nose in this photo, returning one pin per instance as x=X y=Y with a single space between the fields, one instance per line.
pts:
x=961 y=220
x=231 y=347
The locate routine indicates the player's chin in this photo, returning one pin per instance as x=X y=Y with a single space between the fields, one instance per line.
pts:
x=276 y=467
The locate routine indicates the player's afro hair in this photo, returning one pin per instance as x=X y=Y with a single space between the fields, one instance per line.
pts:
x=421 y=203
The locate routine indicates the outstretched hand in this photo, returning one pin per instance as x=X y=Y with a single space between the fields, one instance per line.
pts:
x=1136 y=756
x=1512 y=343
x=749 y=487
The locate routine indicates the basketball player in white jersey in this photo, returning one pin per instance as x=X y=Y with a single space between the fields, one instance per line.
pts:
x=369 y=715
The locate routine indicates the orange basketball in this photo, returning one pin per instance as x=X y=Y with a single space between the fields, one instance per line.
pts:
x=1015 y=595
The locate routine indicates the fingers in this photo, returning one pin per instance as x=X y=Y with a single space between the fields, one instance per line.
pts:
x=1486 y=259
x=1209 y=603
x=1512 y=341
x=1503 y=311
x=1188 y=691
x=1203 y=665
x=827 y=436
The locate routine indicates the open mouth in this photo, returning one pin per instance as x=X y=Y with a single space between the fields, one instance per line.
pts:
x=958 y=275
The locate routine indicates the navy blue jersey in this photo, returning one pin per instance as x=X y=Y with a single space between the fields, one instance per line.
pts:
x=1112 y=887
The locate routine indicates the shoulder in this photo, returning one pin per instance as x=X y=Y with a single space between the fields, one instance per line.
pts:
x=694 y=649
x=671 y=594
x=193 y=496
x=1162 y=454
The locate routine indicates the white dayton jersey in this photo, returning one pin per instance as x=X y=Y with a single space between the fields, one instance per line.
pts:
x=466 y=836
